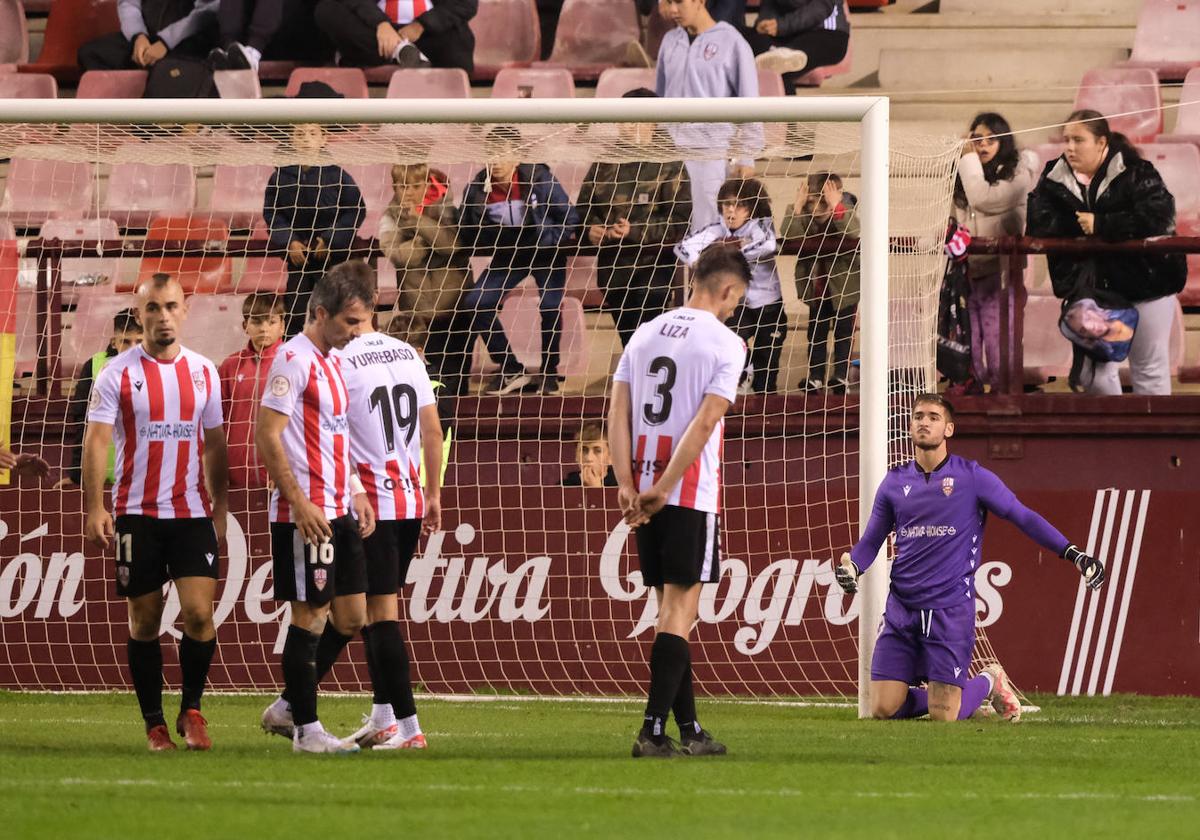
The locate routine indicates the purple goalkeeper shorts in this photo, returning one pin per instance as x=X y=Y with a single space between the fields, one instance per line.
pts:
x=918 y=645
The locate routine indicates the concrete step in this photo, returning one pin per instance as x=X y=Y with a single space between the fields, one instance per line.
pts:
x=1032 y=68
x=1126 y=10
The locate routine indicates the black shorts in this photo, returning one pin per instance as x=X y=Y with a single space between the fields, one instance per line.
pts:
x=314 y=574
x=389 y=552
x=151 y=551
x=680 y=545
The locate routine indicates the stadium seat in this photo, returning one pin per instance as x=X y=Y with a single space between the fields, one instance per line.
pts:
x=386 y=283
x=1187 y=118
x=8 y=68
x=79 y=272
x=507 y=32
x=112 y=84
x=1047 y=152
x=582 y=282
x=533 y=83
x=571 y=174
x=817 y=75
x=1167 y=39
x=348 y=81
x=14 y=33
x=237 y=193
x=137 y=192
x=7 y=231
x=37 y=190
x=431 y=83
x=1047 y=353
x=1179 y=165
x=88 y=331
x=523 y=325
x=214 y=326
x=71 y=24
x=28 y=86
x=617 y=81
x=237 y=84
x=375 y=183
x=263 y=274
x=197 y=275
x=593 y=35
x=1120 y=90
x=27 y=338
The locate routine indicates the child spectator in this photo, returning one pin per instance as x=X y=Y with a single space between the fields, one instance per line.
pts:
x=243 y=379
x=759 y=319
x=419 y=234
x=592 y=458
x=419 y=33
x=150 y=31
x=126 y=332
x=631 y=211
x=520 y=213
x=794 y=36
x=827 y=285
x=313 y=210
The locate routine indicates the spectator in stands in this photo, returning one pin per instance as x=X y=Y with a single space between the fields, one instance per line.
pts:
x=828 y=285
x=419 y=234
x=703 y=58
x=410 y=33
x=126 y=332
x=794 y=36
x=150 y=31
x=759 y=320
x=252 y=29
x=521 y=214
x=632 y=213
x=592 y=458
x=1102 y=187
x=243 y=379
x=313 y=211
x=994 y=180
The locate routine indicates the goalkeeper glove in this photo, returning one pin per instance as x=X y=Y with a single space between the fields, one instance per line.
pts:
x=1091 y=568
x=846 y=574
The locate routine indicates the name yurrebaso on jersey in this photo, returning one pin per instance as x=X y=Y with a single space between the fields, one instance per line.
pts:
x=158 y=411
x=307 y=386
x=670 y=365
x=388 y=386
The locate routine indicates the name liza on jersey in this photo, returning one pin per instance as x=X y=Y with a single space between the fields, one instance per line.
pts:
x=670 y=330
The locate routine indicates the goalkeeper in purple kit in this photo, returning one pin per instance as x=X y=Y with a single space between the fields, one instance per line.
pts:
x=937 y=506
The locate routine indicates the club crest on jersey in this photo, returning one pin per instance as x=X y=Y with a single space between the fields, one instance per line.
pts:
x=94 y=402
x=710 y=52
x=947 y=486
x=320 y=578
x=280 y=386
x=198 y=379
x=123 y=575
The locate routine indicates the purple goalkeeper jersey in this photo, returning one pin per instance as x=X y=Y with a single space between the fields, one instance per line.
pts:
x=938 y=520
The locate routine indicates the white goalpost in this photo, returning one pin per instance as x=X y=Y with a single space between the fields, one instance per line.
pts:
x=531 y=587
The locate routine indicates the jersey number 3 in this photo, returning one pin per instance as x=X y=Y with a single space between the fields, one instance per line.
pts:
x=399 y=406
x=658 y=410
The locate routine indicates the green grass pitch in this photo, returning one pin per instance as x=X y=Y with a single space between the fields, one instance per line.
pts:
x=76 y=766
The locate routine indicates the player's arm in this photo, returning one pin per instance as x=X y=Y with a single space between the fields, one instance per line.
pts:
x=996 y=497
x=859 y=558
x=432 y=442
x=98 y=526
x=216 y=476
x=620 y=446
x=268 y=437
x=697 y=434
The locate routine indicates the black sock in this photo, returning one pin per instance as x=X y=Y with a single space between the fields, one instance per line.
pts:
x=668 y=660
x=145 y=669
x=377 y=696
x=329 y=648
x=684 y=707
x=391 y=659
x=194 y=659
x=299 y=664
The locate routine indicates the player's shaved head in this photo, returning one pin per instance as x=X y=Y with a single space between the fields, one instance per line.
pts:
x=159 y=282
x=161 y=308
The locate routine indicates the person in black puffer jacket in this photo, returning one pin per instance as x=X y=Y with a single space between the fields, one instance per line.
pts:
x=1102 y=187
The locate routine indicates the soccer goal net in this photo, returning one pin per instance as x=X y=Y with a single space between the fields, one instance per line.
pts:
x=517 y=244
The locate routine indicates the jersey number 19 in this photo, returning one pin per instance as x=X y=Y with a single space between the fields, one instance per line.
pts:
x=398 y=407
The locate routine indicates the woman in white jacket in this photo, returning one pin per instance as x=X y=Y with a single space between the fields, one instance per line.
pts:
x=994 y=179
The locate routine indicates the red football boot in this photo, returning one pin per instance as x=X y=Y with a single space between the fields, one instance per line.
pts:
x=158 y=739
x=194 y=729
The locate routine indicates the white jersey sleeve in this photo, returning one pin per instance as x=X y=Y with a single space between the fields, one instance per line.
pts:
x=104 y=402
x=213 y=415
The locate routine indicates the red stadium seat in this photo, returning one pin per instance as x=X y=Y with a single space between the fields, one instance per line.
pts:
x=137 y=192
x=375 y=183
x=1167 y=40
x=593 y=35
x=237 y=193
x=71 y=24
x=582 y=282
x=431 y=83
x=506 y=32
x=37 y=190
x=1132 y=92
x=1179 y=165
x=7 y=231
x=1187 y=118
x=533 y=83
x=28 y=86
x=14 y=33
x=8 y=68
x=237 y=84
x=348 y=81
x=213 y=327
x=617 y=81
x=1047 y=353
x=197 y=275
x=80 y=272
x=90 y=328
x=275 y=71
x=112 y=84
x=263 y=274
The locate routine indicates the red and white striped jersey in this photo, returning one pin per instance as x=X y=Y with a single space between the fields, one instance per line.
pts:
x=671 y=363
x=158 y=411
x=388 y=387
x=404 y=11
x=306 y=385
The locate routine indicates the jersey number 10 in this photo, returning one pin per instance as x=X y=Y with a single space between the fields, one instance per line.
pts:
x=401 y=407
